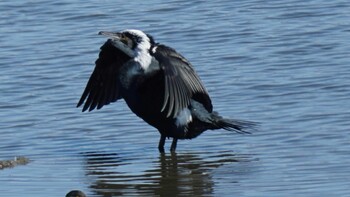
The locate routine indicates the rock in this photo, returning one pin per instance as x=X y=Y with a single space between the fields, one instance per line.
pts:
x=75 y=193
x=12 y=163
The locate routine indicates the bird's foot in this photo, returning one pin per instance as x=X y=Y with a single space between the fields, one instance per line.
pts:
x=173 y=145
x=161 y=144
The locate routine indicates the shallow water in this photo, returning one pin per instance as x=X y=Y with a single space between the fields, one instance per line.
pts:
x=285 y=65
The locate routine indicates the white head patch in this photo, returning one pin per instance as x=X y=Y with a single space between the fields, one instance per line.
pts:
x=141 y=51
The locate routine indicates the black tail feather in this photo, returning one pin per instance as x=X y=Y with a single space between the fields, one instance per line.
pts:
x=239 y=126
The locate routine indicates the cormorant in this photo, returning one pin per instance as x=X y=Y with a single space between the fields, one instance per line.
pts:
x=158 y=84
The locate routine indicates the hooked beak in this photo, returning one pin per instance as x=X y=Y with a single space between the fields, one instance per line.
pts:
x=118 y=42
x=113 y=35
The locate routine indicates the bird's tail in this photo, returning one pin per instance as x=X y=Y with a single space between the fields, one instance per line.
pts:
x=239 y=126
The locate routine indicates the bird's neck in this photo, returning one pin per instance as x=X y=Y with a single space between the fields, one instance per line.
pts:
x=143 y=57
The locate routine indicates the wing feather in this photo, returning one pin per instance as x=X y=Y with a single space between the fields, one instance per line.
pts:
x=103 y=86
x=181 y=82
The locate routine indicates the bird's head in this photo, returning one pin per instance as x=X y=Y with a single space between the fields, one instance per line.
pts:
x=130 y=41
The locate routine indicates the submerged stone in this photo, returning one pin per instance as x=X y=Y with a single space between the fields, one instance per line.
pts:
x=14 y=162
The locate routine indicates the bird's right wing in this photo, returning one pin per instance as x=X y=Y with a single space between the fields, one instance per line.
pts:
x=181 y=82
x=103 y=86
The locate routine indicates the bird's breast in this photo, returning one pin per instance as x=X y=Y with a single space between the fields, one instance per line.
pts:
x=144 y=93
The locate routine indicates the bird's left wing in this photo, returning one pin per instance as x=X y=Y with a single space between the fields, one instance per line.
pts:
x=181 y=82
x=103 y=86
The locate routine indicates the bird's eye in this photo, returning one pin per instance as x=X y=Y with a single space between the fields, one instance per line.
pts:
x=124 y=39
x=137 y=39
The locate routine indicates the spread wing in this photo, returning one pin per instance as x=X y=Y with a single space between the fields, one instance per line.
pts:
x=181 y=82
x=103 y=86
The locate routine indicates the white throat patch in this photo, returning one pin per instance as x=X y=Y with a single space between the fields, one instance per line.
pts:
x=142 y=55
x=144 y=59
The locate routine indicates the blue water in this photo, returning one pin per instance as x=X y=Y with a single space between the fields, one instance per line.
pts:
x=284 y=64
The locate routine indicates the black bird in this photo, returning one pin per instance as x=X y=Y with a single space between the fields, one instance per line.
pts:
x=158 y=84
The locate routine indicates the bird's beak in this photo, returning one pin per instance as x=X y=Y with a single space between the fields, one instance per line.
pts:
x=113 y=35
x=118 y=41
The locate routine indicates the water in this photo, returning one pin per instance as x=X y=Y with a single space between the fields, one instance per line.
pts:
x=284 y=64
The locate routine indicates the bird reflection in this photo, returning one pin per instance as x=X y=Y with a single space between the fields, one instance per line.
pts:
x=171 y=174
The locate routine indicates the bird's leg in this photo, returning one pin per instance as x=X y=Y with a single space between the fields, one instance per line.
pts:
x=161 y=143
x=173 y=145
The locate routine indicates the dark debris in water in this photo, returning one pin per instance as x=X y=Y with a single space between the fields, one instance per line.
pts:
x=14 y=162
x=75 y=193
